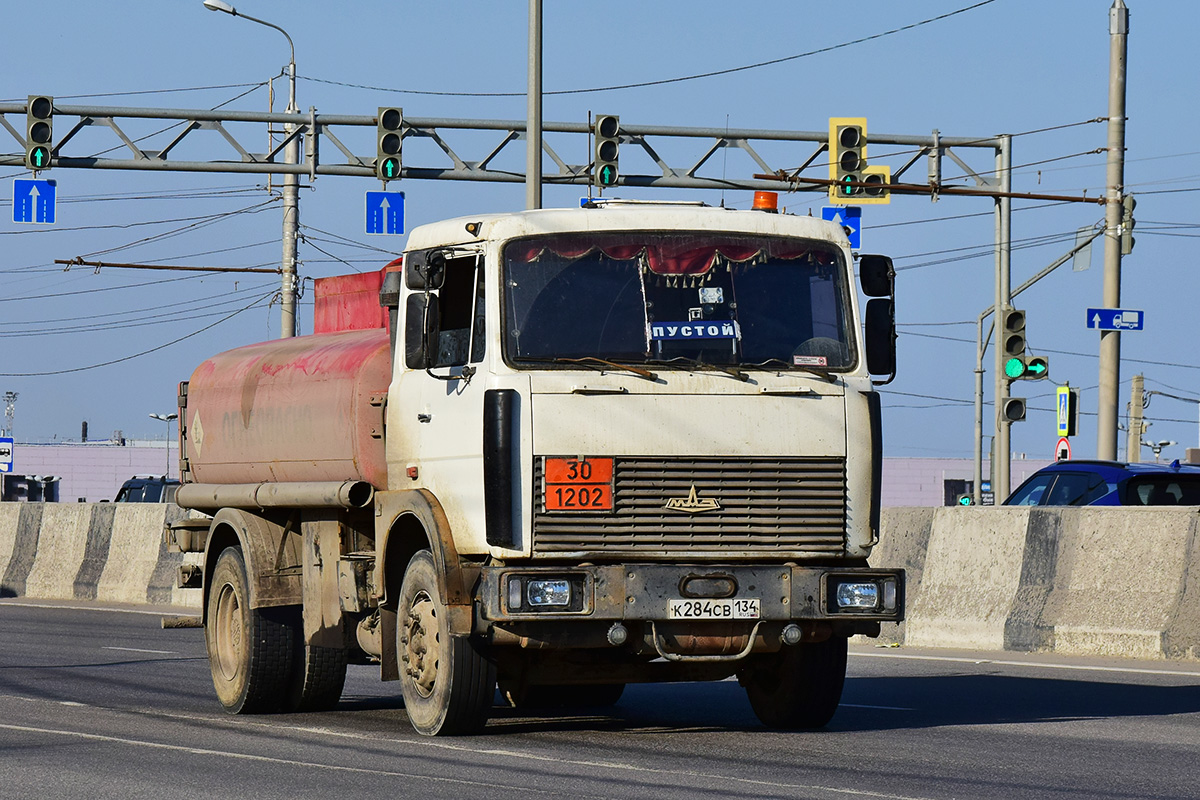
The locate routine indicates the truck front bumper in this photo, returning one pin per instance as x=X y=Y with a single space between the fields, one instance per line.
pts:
x=651 y=592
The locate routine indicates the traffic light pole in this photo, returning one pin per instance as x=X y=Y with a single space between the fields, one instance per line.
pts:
x=981 y=350
x=1003 y=452
x=1110 y=341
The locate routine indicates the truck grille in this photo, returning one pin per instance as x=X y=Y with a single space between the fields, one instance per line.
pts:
x=778 y=505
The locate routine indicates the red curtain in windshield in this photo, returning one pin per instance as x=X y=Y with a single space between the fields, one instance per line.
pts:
x=663 y=257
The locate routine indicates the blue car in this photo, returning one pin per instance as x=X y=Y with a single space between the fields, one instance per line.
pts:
x=1110 y=483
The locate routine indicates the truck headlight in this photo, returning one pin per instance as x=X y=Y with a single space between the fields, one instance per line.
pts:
x=862 y=596
x=552 y=592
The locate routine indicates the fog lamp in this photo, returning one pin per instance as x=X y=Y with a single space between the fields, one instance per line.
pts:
x=858 y=595
x=548 y=592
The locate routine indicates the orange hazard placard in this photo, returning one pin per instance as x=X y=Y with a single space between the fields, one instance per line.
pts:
x=578 y=484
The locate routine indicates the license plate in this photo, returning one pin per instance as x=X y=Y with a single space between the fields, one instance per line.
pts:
x=578 y=484
x=735 y=608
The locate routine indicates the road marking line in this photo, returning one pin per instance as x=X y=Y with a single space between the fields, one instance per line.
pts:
x=722 y=780
x=1039 y=664
x=167 y=610
x=139 y=650
x=266 y=759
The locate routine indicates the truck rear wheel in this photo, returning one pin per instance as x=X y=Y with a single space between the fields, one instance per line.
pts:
x=799 y=687
x=249 y=649
x=319 y=676
x=447 y=684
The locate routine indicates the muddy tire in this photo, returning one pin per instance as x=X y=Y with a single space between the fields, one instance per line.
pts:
x=447 y=684
x=250 y=651
x=319 y=673
x=798 y=688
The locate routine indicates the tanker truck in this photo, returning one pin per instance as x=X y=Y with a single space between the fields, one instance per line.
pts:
x=549 y=454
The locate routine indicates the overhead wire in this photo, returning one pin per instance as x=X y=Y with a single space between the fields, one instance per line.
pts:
x=135 y=355
x=76 y=318
x=152 y=320
x=664 y=81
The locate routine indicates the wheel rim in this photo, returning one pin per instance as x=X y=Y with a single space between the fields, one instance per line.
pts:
x=228 y=639
x=421 y=644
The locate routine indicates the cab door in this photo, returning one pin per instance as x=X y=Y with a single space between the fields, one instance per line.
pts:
x=446 y=400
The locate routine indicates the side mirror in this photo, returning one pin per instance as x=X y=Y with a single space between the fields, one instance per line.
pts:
x=876 y=275
x=425 y=271
x=881 y=338
x=421 y=326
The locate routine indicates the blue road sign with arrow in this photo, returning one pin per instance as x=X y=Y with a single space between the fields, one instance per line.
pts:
x=850 y=218
x=1115 y=319
x=33 y=201
x=385 y=212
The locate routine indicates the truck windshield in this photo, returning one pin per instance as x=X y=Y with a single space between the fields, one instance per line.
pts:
x=689 y=298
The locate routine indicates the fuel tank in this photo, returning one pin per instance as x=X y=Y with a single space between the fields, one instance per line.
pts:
x=309 y=408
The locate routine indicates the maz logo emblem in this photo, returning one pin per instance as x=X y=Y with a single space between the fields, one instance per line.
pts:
x=692 y=504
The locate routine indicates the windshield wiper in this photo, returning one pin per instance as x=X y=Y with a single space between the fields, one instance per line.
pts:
x=796 y=367
x=594 y=363
x=697 y=365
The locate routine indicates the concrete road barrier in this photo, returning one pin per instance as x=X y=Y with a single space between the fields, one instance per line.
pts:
x=1087 y=581
x=1083 y=581
x=106 y=552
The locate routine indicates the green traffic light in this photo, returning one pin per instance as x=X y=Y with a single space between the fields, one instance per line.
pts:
x=1014 y=368
x=391 y=167
x=608 y=175
x=965 y=500
x=1037 y=367
x=39 y=157
x=847 y=188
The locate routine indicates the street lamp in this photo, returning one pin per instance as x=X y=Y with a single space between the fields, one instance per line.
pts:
x=291 y=183
x=168 y=417
x=1157 y=447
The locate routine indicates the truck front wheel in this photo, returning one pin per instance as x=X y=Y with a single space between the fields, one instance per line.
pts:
x=799 y=687
x=249 y=649
x=447 y=684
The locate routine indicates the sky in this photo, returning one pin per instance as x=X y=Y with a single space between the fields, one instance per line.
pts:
x=1033 y=69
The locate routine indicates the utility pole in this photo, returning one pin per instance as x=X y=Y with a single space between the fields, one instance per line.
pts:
x=291 y=182
x=10 y=403
x=533 y=101
x=1133 y=437
x=1110 y=341
x=291 y=213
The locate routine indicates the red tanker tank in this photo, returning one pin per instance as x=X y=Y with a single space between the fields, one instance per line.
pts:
x=308 y=408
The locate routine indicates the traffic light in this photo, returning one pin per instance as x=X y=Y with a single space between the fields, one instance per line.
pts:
x=39 y=131
x=388 y=140
x=1013 y=409
x=1012 y=342
x=851 y=180
x=1026 y=368
x=608 y=146
x=965 y=500
x=1127 y=223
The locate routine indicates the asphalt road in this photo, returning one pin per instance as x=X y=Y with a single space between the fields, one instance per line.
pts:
x=106 y=703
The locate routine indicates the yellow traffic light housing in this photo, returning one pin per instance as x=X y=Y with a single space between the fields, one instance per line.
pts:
x=852 y=181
